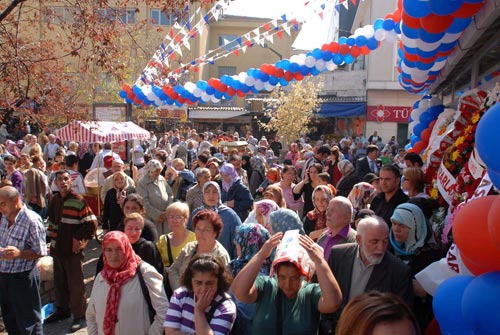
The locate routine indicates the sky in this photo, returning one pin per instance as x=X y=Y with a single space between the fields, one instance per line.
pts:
x=314 y=32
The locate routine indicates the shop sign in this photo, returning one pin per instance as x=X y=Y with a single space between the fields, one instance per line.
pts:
x=383 y=113
x=177 y=113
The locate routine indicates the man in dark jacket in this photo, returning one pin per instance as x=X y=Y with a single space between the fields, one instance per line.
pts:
x=365 y=266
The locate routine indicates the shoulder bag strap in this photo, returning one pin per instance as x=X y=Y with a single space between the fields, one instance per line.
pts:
x=169 y=251
x=145 y=293
x=279 y=316
x=212 y=310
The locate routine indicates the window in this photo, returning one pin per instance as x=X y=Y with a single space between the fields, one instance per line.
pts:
x=160 y=18
x=359 y=63
x=59 y=15
x=128 y=16
x=228 y=41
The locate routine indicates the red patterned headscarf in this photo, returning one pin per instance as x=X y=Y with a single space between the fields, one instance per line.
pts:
x=117 y=277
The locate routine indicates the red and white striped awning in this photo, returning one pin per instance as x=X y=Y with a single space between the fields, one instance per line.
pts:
x=101 y=131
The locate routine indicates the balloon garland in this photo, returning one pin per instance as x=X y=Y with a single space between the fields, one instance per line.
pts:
x=429 y=33
x=268 y=76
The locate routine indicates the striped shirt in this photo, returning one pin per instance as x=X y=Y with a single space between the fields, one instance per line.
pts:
x=27 y=233
x=180 y=314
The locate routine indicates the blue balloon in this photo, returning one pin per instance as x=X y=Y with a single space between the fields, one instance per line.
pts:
x=419 y=128
x=425 y=118
x=372 y=43
x=338 y=59
x=327 y=55
x=494 y=177
x=423 y=66
x=415 y=105
x=349 y=59
x=123 y=94
x=414 y=139
x=351 y=41
x=129 y=101
x=447 y=305
x=444 y=7
x=283 y=81
x=264 y=77
x=428 y=37
x=273 y=80
x=407 y=147
x=361 y=41
x=314 y=71
x=458 y=25
x=409 y=32
x=378 y=24
x=317 y=53
x=416 y=9
x=447 y=46
x=218 y=94
x=244 y=88
x=304 y=70
x=258 y=74
x=388 y=25
x=488 y=137
x=285 y=64
x=294 y=68
x=397 y=27
x=202 y=84
x=480 y=304
x=436 y=110
x=342 y=40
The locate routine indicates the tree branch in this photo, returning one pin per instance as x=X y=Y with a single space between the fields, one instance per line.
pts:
x=10 y=8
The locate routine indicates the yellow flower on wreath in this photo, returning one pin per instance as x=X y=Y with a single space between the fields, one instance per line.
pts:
x=434 y=193
x=475 y=118
x=459 y=141
x=455 y=155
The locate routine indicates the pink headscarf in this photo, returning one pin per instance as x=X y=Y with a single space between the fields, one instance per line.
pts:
x=266 y=207
x=229 y=170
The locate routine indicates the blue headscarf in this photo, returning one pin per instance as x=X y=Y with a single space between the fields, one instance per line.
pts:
x=285 y=219
x=411 y=216
x=250 y=237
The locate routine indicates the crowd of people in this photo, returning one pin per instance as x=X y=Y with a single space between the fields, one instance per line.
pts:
x=191 y=229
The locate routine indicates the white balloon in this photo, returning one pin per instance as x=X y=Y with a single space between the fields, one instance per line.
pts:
x=435 y=101
x=320 y=65
x=438 y=65
x=391 y=36
x=368 y=31
x=301 y=59
x=214 y=99
x=358 y=32
x=294 y=59
x=268 y=87
x=197 y=92
x=310 y=61
x=424 y=46
x=205 y=97
x=409 y=42
x=380 y=35
x=330 y=66
x=448 y=38
x=190 y=86
x=250 y=81
x=242 y=76
x=424 y=104
x=259 y=85
x=415 y=114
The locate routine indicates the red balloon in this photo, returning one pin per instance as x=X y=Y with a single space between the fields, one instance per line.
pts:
x=431 y=125
x=344 y=49
x=355 y=51
x=324 y=47
x=494 y=222
x=298 y=76
x=279 y=73
x=475 y=268
x=288 y=76
x=436 y=24
x=419 y=146
x=334 y=47
x=231 y=91
x=471 y=234
x=410 y=21
x=397 y=15
x=467 y=10
x=365 y=50
x=426 y=134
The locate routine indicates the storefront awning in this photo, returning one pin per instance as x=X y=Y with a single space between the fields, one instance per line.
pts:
x=341 y=109
x=213 y=114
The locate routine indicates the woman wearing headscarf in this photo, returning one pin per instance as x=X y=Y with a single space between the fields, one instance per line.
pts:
x=348 y=180
x=361 y=196
x=315 y=220
x=212 y=200
x=234 y=194
x=85 y=158
x=293 y=153
x=157 y=195
x=258 y=174
x=118 y=303
x=413 y=241
x=261 y=211
x=250 y=237
x=284 y=219
x=112 y=214
x=273 y=176
x=306 y=186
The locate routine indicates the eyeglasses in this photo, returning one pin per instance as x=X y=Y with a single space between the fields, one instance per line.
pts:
x=205 y=230
x=132 y=229
x=176 y=217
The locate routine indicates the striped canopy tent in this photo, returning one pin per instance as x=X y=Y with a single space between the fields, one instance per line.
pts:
x=101 y=131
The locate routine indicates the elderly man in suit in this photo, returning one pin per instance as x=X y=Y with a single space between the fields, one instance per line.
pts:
x=369 y=163
x=365 y=266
